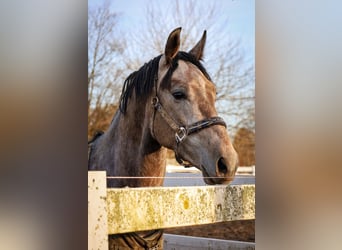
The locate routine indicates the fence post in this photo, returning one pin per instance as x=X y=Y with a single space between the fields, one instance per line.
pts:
x=97 y=211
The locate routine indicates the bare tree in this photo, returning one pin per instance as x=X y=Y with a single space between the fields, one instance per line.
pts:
x=105 y=48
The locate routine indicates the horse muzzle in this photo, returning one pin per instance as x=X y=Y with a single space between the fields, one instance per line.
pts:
x=225 y=169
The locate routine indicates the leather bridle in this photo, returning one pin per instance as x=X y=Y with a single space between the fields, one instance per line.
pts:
x=183 y=131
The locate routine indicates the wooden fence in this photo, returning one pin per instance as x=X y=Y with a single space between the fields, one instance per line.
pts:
x=122 y=210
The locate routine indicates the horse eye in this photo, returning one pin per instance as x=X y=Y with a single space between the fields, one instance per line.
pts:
x=179 y=95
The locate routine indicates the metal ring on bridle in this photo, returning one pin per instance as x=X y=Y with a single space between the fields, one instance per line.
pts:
x=155 y=102
x=180 y=135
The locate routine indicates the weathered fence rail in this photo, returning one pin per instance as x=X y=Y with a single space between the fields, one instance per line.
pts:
x=121 y=210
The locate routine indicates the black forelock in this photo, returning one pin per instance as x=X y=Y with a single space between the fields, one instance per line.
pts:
x=184 y=56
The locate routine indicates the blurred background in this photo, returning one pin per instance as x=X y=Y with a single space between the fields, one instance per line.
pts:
x=43 y=128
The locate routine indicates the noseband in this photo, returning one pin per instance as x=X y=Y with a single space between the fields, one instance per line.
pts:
x=183 y=131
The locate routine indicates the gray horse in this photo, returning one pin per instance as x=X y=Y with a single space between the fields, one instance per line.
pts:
x=168 y=103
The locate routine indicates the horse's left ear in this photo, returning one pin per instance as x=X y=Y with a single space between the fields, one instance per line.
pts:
x=172 y=44
x=197 y=51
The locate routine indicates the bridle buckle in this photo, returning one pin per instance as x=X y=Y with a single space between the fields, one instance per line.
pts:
x=155 y=102
x=180 y=134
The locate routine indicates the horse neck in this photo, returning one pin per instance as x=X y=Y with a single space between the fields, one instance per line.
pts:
x=136 y=153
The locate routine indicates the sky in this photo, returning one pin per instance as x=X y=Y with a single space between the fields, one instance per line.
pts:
x=241 y=14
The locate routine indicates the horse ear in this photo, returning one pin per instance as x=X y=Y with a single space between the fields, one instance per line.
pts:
x=172 y=44
x=197 y=51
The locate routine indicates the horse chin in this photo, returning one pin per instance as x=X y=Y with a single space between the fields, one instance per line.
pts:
x=218 y=181
x=210 y=180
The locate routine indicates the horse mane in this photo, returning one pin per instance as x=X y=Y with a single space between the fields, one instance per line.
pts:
x=142 y=80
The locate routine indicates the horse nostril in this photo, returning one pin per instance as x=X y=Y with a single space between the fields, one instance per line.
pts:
x=221 y=166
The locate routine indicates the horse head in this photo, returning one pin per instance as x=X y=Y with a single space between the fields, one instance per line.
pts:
x=185 y=118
